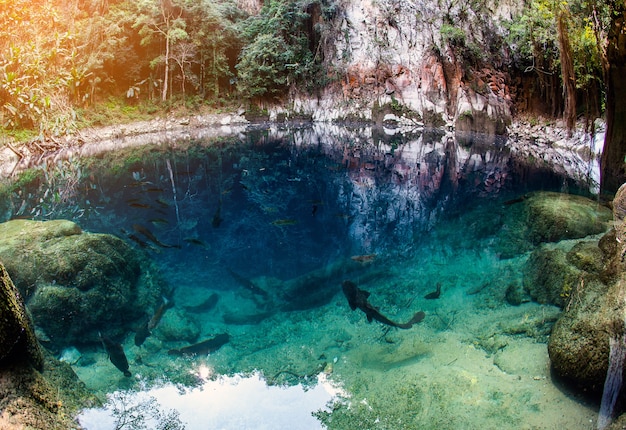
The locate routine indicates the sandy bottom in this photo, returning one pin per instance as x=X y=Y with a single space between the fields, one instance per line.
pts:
x=475 y=362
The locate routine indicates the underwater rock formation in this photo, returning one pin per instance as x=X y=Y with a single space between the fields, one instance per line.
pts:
x=594 y=312
x=30 y=399
x=555 y=216
x=76 y=283
x=544 y=217
x=36 y=390
x=17 y=335
x=553 y=276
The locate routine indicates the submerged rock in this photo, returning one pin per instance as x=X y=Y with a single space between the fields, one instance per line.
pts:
x=549 y=278
x=579 y=343
x=544 y=217
x=177 y=327
x=554 y=216
x=17 y=335
x=76 y=283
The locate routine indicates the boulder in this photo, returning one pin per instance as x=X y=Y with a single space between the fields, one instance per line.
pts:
x=554 y=217
x=543 y=217
x=579 y=343
x=177 y=327
x=595 y=312
x=36 y=390
x=30 y=399
x=552 y=275
x=76 y=283
x=17 y=334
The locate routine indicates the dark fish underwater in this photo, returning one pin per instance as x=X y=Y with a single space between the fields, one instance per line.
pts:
x=116 y=354
x=357 y=299
x=145 y=330
x=202 y=348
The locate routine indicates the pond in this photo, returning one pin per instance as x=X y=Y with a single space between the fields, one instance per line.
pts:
x=255 y=234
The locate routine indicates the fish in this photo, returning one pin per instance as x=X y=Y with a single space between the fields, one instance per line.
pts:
x=155 y=190
x=435 y=294
x=139 y=205
x=158 y=221
x=160 y=311
x=116 y=354
x=202 y=348
x=145 y=329
x=217 y=219
x=357 y=299
x=205 y=306
x=364 y=258
x=248 y=284
x=162 y=202
x=515 y=200
x=141 y=333
x=195 y=241
x=151 y=237
x=137 y=240
x=287 y=221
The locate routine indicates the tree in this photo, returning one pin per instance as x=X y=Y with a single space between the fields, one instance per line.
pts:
x=568 y=76
x=161 y=18
x=613 y=161
x=280 y=51
x=262 y=68
x=214 y=36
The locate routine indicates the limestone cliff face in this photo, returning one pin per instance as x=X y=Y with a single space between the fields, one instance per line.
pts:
x=415 y=62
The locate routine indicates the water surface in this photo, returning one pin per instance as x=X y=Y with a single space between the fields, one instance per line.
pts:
x=294 y=212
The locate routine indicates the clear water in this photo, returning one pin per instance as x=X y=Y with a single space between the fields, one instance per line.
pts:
x=291 y=211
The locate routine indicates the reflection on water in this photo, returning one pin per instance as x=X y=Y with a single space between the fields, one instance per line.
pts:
x=312 y=195
x=256 y=232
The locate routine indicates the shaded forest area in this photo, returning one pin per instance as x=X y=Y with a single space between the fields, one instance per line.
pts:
x=66 y=62
x=58 y=57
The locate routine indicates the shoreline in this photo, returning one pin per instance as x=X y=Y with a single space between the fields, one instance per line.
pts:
x=546 y=141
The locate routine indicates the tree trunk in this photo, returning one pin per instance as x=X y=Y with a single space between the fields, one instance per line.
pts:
x=567 y=74
x=167 y=68
x=613 y=156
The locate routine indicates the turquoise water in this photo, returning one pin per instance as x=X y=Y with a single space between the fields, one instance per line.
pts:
x=254 y=235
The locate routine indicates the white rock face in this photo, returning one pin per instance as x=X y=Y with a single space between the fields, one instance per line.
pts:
x=392 y=52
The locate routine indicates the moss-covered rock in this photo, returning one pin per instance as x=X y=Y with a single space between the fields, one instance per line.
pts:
x=77 y=283
x=17 y=335
x=543 y=217
x=586 y=256
x=176 y=326
x=549 y=278
x=579 y=343
x=30 y=399
x=553 y=217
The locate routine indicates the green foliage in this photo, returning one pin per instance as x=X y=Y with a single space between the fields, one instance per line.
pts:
x=533 y=39
x=263 y=67
x=452 y=35
x=280 y=51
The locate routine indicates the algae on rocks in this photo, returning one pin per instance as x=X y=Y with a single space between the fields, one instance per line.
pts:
x=543 y=217
x=17 y=335
x=77 y=283
x=579 y=343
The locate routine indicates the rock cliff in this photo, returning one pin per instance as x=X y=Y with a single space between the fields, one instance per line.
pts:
x=415 y=62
